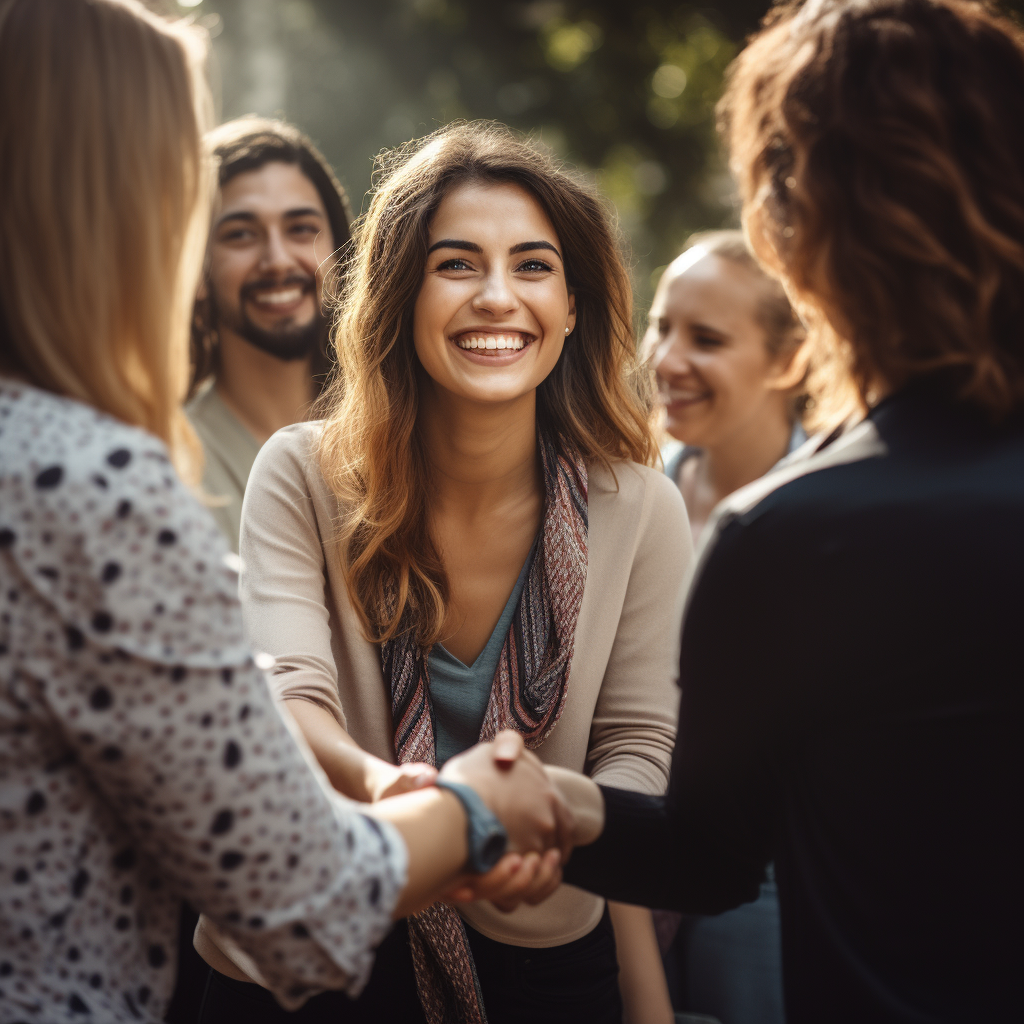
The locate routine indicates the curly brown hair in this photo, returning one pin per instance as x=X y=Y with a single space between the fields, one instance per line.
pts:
x=879 y=146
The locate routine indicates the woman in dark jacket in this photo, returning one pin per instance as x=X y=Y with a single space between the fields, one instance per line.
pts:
x=874 y=753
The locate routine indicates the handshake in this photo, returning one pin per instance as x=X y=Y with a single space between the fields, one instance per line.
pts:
x=545 y=810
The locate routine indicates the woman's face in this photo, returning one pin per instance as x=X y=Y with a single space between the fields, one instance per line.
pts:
x=715 y=375
x=491 y=315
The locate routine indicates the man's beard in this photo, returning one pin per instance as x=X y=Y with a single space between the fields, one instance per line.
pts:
x=287 y=343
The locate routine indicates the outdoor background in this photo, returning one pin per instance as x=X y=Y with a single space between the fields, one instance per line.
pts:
x=625 y=90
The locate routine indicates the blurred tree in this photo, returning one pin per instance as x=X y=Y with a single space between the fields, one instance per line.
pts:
x=626 y=91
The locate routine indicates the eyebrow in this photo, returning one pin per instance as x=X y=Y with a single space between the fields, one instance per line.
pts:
x=464 y=246
x=249 y=217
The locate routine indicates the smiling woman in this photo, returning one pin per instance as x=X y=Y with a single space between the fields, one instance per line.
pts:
x=474 y=539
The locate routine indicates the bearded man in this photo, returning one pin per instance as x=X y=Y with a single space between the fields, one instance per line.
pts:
x=259 y=333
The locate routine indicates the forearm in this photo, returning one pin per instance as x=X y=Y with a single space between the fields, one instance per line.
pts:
x=645 y=994
x=345 y=763
x=433 y=824
x=651 y=853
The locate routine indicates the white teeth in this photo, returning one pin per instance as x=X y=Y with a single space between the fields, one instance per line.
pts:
x=494 y=342
x=280 y=298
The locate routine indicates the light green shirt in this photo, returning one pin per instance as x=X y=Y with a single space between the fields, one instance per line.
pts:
x=230 y=451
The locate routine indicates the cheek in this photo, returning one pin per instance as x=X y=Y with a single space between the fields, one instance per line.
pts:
x=434 y=307
x=552 y=309
x=740 y=378
x=228 y=273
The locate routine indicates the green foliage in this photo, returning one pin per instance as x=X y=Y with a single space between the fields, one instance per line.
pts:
x=625 y=91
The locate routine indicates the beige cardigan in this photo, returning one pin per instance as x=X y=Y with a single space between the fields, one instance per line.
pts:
x=619 y=719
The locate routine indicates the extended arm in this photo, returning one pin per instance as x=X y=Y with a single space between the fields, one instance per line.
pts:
x=703 y=847
x=352 y=770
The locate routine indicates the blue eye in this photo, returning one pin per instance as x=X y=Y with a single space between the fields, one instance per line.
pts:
x=455 y=264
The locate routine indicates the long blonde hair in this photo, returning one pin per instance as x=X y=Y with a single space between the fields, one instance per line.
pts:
x=595 y=401
x=104 y=204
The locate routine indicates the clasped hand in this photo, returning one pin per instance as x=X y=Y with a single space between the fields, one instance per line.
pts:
x=512 y=783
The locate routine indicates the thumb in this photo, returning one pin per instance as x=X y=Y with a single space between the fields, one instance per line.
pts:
x=508 y=745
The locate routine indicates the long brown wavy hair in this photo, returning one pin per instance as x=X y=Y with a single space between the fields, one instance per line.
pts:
x=879 y=146
x=595 y=401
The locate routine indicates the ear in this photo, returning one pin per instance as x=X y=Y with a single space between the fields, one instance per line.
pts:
x=571 y=319
x=790 y=371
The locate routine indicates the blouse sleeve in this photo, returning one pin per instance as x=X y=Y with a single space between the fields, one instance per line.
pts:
x=283 y=583
x=634 y=726
x=167 y=712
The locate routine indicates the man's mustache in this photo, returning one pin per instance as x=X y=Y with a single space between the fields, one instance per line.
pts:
x=307 y=284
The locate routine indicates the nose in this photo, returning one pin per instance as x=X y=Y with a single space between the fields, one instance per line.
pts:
x=276 y=259
x=496 y=295
x=671 y=357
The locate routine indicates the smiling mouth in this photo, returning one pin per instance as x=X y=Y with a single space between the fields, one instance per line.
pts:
x=277 y=298
x=683 y=397
x=483 y=341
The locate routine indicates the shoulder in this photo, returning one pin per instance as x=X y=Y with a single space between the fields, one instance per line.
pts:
x=287 y=473
x=58 y=453
x=638 y=519
x=100 y=525
x=291 y=450
x=630 y=493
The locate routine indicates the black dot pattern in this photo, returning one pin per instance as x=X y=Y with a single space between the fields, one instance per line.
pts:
x=142 y=759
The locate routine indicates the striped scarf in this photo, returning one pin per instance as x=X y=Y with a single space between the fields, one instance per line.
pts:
x=528 y=695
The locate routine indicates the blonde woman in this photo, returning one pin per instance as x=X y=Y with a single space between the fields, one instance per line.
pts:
x=142 y=759
x=730 y=359
x=473 y=539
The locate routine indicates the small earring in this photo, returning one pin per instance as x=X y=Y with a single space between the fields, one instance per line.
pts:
x=567 y=330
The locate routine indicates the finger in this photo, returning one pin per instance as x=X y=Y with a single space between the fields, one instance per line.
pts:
x=508 y=745
x=481 y=887
x=419 y=775
x=547 y=879
x=512 y=893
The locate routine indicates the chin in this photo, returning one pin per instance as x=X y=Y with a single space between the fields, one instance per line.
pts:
x=687 y=433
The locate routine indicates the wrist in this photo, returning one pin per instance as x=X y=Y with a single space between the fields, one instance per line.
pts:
x=486 y=838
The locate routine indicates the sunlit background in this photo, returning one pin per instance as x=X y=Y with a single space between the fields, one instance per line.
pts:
x=623 y=90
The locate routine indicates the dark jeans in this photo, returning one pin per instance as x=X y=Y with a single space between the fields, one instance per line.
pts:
x=729 y=966
x=390 y=995
x=577 y=983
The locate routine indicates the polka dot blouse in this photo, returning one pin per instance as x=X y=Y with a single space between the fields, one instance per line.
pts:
x=142 y=758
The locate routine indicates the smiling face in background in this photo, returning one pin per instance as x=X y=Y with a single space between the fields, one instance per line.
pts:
x=268 y=245
x=491 y=315
x=716 y=378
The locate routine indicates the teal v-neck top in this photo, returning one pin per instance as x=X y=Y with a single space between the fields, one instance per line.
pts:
x=459 y=693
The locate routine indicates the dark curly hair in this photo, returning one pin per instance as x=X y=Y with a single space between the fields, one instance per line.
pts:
x=879 y=146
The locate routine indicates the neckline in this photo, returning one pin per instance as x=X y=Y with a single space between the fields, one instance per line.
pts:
x=504 y=619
